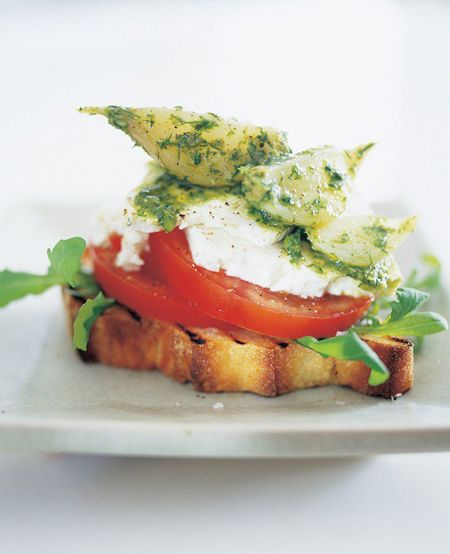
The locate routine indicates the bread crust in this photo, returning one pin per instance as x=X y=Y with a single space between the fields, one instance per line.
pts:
x=216 y=361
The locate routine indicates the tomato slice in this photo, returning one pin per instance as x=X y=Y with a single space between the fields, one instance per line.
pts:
x=247 y=305
x=144 y=291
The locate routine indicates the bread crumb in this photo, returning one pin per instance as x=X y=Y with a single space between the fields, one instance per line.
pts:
x=396 y=396
x=340 y=403
x=218 y=406
x=177 y=404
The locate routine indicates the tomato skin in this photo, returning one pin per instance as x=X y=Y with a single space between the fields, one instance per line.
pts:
x=172 y=288
x=144 y=291
x=250 y=306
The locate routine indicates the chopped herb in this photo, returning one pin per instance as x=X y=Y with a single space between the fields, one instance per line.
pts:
x=286 y=199
x=263 y=217
x=361 y=151
x=235 y=155
x=263 y=138
x=314 y=206
x=344 y=238
x=190 y=140
x=355 y=156
x=335 y=179
x=204 y=124
x=150 y=119
x=176 y=119
x=380 y=235
x=292 y=245
x=164 y=143
x=256 y=155
x=295 y=172
x=217 y=144
x=119 y=117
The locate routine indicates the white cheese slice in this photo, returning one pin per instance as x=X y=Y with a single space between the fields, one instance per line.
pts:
x=266 y=265
x=133 y=243
x=229 y=214
x=222 y=236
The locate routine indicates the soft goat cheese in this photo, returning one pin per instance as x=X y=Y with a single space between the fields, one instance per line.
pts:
x=111 y=220
x=266 y=265
x=222 y=236
x=228 y=213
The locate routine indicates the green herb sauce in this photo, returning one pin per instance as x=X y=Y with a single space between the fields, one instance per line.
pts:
x=372 y=278
x=166 y=198
x=264 y=218
x=380 y=236
x=335 y=179
x=119 y=117
x=292 y=245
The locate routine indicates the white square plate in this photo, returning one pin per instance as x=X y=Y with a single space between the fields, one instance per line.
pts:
x=51 y=401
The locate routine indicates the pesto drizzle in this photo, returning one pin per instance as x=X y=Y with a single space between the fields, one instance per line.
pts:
x=168 y=197
x=372 y=278
x=297 y=247
x=292 y=245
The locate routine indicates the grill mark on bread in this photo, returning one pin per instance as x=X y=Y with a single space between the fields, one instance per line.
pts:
x=86 y=356
x=134 y=315
x=194 y=337
x=240 y=360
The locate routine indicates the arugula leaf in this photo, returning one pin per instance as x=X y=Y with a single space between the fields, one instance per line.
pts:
x=418 y=343
x=403 y=321
x=65 y=259
x=411 y=325
x=408 y=300
x=349 y=347
x=87 y=314
x=16 y=284
x=64 y=268
x=429 y=282
x=86 y=287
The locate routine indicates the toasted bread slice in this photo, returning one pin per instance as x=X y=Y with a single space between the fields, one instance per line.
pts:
x=215 y=361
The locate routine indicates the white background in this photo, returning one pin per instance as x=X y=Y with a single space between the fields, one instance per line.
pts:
x=326 y=72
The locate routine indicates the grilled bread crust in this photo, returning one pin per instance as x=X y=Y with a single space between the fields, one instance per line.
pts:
x=218 y=361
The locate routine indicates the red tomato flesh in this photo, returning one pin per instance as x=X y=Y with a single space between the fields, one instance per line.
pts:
x=247 y=305
x=144 y=291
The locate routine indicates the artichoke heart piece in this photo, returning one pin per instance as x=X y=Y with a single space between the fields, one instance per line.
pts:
x=380 y=279
x=306 y=189
x=203 y=149
x=360 y=240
